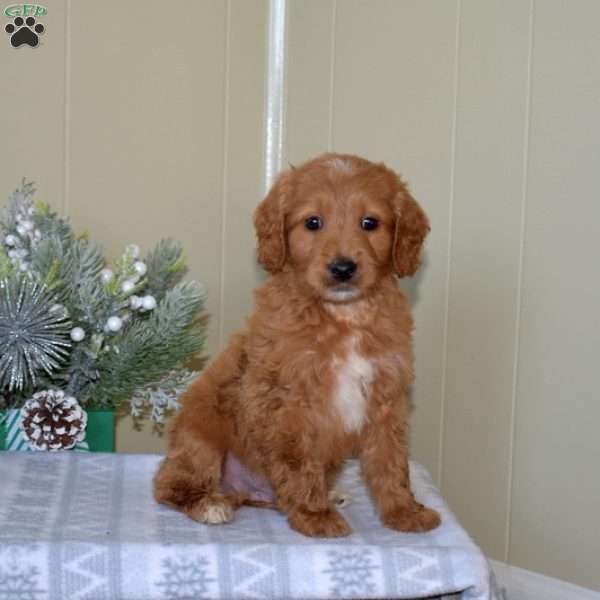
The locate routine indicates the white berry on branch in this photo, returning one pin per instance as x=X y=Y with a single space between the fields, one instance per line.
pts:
x=114 y=324
x=148 y=303
x=77 y=334
x=140 y=268
x=127 y=286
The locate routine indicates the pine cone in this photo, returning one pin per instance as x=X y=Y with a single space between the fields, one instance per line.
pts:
x=52 y=421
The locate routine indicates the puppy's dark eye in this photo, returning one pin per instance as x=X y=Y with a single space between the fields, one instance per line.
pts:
x=313 y=223
x=369 y=223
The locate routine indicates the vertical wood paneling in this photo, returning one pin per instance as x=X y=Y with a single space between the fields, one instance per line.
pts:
x=394 y=101
x=309 y=78
x=484 y=265
x=556 y=487
x=146 y=133
x=32 y=109
x=147 y=118
x=244 y=160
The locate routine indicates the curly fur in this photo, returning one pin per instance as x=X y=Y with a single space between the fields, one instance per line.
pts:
x=321 y=373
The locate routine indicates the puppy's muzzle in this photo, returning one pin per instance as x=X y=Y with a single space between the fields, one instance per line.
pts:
x=342 y=269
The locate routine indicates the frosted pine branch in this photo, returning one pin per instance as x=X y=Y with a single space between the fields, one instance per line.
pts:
x=160 y=399
x=131 y=325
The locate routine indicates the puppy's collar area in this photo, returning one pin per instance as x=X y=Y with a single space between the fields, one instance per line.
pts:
x=357 y=313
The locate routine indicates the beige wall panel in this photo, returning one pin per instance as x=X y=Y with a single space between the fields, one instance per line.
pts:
x=32 y=113
x=310 y=41
x=484 y=266
x=244 y=163
x=556 y=521
x=144 y=439
x=393 y=100
x=146 y=134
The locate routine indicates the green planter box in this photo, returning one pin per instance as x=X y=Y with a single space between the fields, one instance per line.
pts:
x=100 y=431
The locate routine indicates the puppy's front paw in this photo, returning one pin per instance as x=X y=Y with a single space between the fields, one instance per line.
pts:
x=326 y=523
x=414 y=518
x=212 y=510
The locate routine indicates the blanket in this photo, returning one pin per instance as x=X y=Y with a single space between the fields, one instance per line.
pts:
x=85 y=526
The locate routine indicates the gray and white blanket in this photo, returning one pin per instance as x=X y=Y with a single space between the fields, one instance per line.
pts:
x=85 y=526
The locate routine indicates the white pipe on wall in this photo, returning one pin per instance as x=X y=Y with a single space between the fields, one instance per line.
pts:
x=275 y=92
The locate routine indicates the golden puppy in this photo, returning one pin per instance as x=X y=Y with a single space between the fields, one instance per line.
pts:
x=322 y=371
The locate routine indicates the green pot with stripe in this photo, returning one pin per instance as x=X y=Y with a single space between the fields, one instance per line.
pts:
x=100 y=431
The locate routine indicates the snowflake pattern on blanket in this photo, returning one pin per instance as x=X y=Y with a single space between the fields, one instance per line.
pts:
x=19 y=582
x=185 y=578
x=351 y=572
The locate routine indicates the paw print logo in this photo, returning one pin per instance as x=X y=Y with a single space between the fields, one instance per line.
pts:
x=24 y=31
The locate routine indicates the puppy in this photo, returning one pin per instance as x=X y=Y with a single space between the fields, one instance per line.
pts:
x=322 y=371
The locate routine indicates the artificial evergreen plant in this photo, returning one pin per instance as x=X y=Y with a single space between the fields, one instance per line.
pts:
x=70 y=324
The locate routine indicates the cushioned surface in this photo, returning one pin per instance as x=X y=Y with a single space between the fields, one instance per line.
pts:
x=85 y=526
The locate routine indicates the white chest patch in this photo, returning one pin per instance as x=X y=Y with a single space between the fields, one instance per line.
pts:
x=355 y=375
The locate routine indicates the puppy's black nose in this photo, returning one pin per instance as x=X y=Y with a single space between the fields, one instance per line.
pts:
x=342 y=269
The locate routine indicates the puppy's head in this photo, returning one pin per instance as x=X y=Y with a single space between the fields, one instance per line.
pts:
x=340 y=224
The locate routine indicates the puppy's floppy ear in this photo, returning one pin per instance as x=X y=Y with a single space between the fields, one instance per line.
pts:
x=269 y=221
x=412 y=226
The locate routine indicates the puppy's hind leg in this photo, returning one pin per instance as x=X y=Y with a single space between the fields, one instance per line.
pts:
x=190 y=476
x=189 y=479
